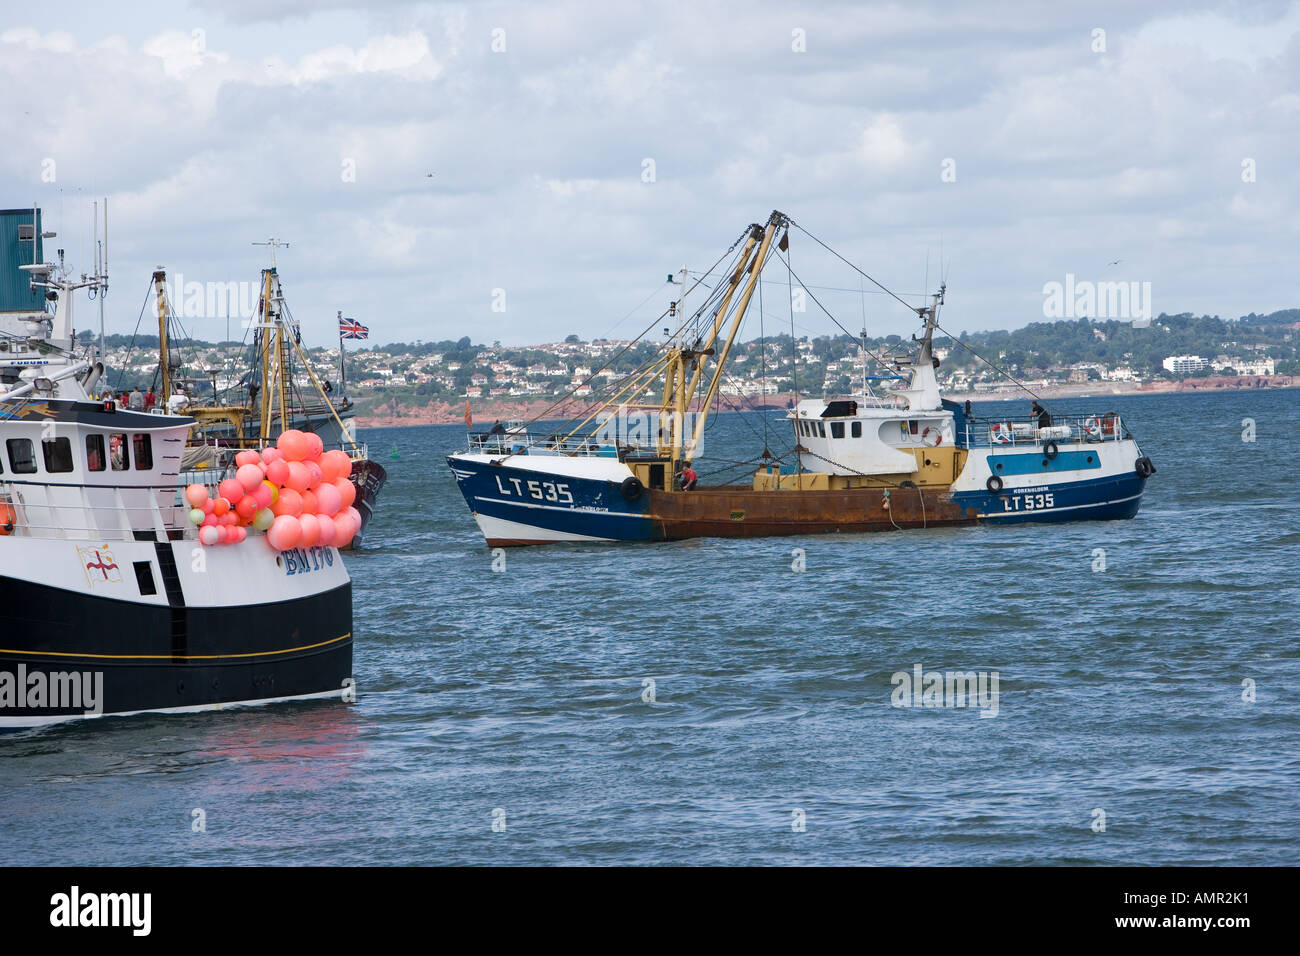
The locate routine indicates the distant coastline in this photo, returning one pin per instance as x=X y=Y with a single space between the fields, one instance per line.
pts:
x=485 y=412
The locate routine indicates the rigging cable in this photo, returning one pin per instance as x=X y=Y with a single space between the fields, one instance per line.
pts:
x=569 y=394
x=131 y=348
x=995 y=368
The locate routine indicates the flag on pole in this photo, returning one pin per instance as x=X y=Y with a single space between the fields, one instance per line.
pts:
x=469 y=422
x=352 y=329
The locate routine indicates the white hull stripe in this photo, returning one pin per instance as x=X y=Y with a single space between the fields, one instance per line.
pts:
x=566 y=510
x=499 y=528
x=18 y=723
x=1048 y=511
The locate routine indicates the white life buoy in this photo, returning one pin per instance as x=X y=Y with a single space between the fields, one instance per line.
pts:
x=1001 y=433
x=931 y=437
x=1093 y=427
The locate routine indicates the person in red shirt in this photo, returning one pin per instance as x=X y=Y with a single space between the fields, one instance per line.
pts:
x=688 y=478
x=150 y=399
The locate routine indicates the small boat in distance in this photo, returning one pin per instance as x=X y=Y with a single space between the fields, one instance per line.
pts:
x=280 y=391
x=909 y=459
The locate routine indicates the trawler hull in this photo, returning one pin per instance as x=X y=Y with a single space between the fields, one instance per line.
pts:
x=368 y=477
x=517 y=502
x=92 y=644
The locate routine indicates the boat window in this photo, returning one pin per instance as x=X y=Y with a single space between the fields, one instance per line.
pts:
x=58 y=454
x=22 y=456
x=837 y=429
x=857 y=429
x=143 y=452
x=913 y=427
x=821 y=429
x=95 y=452
x=118 y=454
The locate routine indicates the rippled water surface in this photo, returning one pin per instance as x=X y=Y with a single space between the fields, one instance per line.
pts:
x=518 y=696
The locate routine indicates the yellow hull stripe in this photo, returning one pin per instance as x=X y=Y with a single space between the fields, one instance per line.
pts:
x=175 y=657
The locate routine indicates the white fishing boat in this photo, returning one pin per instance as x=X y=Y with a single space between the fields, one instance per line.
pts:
x=109 y=601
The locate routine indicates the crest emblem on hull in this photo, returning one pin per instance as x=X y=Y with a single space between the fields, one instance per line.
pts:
x=100 y=566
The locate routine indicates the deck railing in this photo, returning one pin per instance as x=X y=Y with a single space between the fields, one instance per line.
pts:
x=38 y=509
x=980 y=432
x=487 y=443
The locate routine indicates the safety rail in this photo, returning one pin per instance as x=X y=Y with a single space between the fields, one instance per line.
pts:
x=980 y=432
x=37 y=509
x=488 y=443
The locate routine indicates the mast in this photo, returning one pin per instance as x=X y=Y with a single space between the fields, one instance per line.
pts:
x=774 y=222
x=281 y=357
x=164 y=349
x=922 y=392
x=343 y=383
x=264 y=350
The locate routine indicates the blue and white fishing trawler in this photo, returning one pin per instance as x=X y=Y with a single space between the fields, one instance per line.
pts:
x=906 y=459
x=109 y=604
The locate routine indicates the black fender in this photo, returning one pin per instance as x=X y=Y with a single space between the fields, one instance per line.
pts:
x=631 y=488
x=994 y=484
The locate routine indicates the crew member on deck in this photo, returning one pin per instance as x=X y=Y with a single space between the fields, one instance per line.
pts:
x=150 y=399
x=688 y=478
x=1044 y=419
x=497 y=428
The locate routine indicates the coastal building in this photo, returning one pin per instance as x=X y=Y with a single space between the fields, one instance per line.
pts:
x=1185 y=364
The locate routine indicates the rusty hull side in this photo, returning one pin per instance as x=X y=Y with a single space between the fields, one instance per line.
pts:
x=738 y=511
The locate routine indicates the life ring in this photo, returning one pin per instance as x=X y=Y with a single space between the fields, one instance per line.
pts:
x=1050 y=450
x=994 y=484
x=1110 y=423
x=632 y=488
x=932 y=437
x=7 y=519
x=1144 y=467
x=1092 y=427
x=1001 y=433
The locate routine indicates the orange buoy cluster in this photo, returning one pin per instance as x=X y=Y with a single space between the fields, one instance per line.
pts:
x=297 y=493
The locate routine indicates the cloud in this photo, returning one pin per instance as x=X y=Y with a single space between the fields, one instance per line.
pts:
x=413 y=169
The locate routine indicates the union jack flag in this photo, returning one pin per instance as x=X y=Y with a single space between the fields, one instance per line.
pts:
x=352 y=329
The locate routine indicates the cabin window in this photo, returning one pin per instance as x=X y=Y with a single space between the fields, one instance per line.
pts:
x=837 y=429
x=95 y=453
x=143 y=452
x=913 y=427
x=58 y=455
x=118 y=454
x=22 y=456
x=857 y=429
x=805 y=429
x=821 y=429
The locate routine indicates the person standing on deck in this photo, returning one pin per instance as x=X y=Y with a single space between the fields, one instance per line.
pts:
x=1044 y=419
x=135 y=401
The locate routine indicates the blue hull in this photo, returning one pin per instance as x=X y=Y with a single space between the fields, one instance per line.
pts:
x=516 y=506
x=1096 y=499
x=558 y=505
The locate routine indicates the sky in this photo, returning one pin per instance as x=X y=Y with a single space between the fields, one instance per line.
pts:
x=522 y=171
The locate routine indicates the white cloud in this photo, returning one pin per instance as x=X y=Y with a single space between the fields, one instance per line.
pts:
x=1065 y=159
